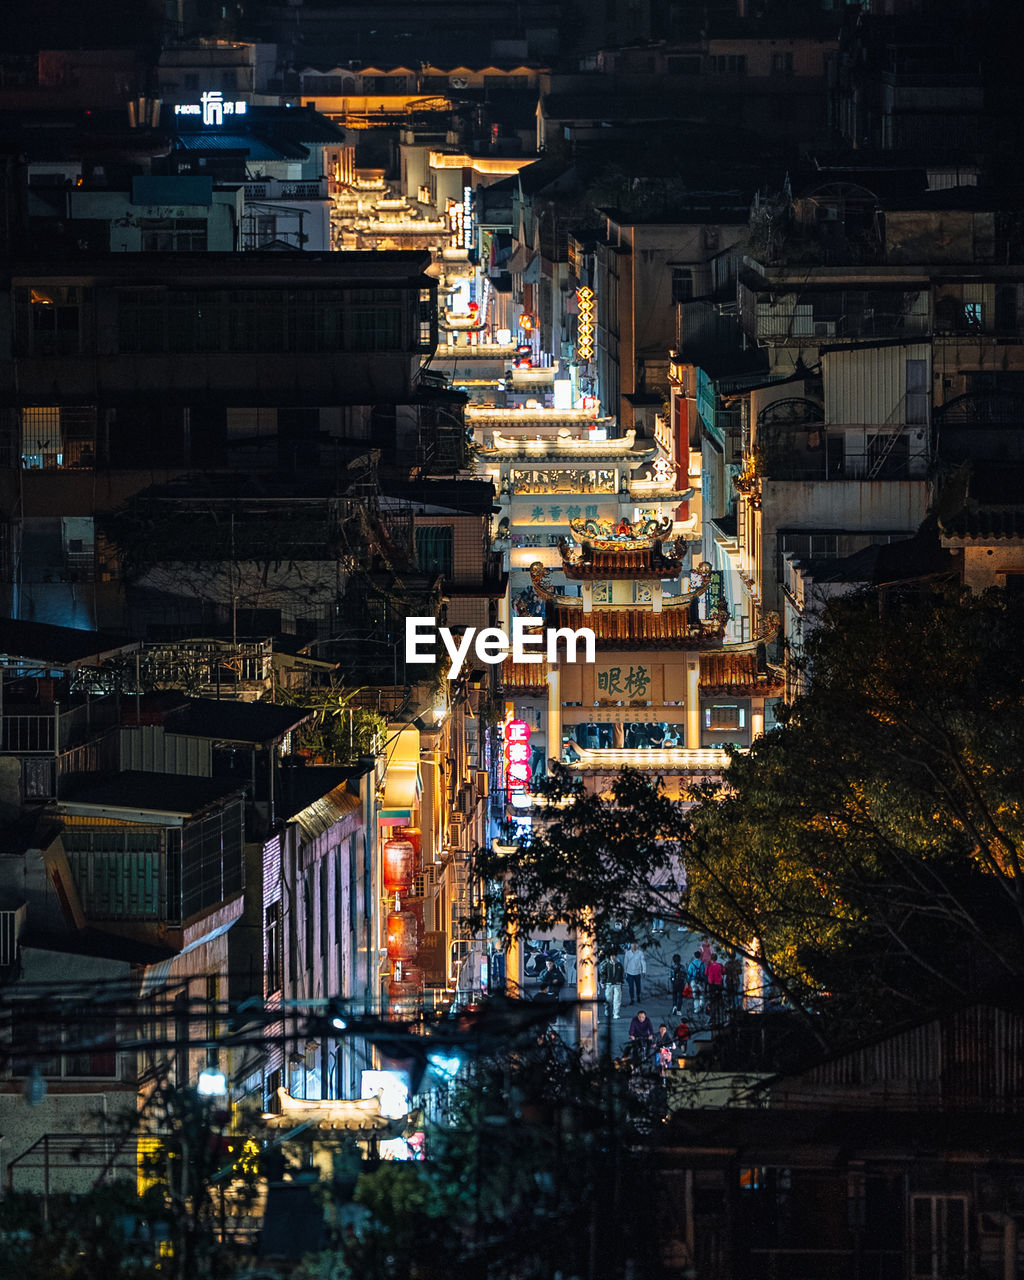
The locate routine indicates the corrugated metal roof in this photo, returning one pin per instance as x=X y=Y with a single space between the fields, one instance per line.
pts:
x=58 y=646
x=322 y=814
x=256 y=148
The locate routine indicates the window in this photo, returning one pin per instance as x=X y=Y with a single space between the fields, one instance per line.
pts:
x=972 y=315
x=835 y=455
x=938 y=1245
x=782 y=64
x=119 y=872
x=309 y=921
x=173 y=235
x=682 y=284
x=50 y=319
x=74 y=1047
x=682 y=65
x=211 y=1019
x=324 y=926
x=58 y=437
x=728 y=64
x=917 y=392
x=725 y=716
x=434 y=550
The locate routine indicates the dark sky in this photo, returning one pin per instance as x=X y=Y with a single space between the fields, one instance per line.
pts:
x=71 y=24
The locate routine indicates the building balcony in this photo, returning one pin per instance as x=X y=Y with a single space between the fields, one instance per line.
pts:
x=282 y=189
x=34 y=729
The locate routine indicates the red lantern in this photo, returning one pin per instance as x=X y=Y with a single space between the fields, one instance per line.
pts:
x=405 y=999
x=412 y=834
x=399 y=866
x=402 y=942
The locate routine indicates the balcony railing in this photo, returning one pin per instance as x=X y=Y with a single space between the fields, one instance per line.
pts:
x=23 y=732
x=278 y=189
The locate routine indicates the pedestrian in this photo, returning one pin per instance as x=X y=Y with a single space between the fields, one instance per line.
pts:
x=663 y=1043
x=552 y=980
x=677 y=978
x=705 y=948
x=641 y=1034
x=714 y=978
x=634 y=965
x=612 y=975
x=682 y=1036
x=695 y=974
x=733 y=975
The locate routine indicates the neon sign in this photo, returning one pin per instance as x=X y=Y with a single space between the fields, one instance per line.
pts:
x=517 y=755
x=212 y=107
x=468 y=230
x=585 y=324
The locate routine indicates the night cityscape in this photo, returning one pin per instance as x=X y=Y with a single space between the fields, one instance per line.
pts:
x=511 y=669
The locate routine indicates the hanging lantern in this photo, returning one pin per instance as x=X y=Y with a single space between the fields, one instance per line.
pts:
x=402 y=941
x=399 y=866
x=412 y=834
x=405 y=999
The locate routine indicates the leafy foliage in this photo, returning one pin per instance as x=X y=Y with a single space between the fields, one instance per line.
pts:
x=867 y=853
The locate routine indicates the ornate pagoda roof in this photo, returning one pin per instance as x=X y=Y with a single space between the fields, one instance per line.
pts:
x=645 y=629
x=560 y=447
x=622 y=549
x=539 y=574
x=644 y=562
x=728 y=670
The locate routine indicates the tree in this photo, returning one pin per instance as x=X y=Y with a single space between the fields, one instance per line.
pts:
x=867 y=852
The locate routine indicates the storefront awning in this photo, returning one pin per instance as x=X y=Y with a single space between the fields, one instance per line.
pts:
x=402 y=782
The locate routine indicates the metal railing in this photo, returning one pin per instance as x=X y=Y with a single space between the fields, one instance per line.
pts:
x=55 y=729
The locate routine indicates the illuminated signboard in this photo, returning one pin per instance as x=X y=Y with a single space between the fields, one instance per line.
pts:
x=456 y=212
x=517 y=755
x=212 y=107
x=585 y=303
x=468 y=230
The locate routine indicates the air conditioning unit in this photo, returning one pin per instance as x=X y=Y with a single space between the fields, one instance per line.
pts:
x=482 y=783
x=824 y=328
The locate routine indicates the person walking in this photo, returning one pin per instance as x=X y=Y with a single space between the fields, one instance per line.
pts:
x=705 y=948
x=634 y=965
x=682 y=1036
x=733 y=968
x=695 y=975
x=552 y=980
x=714 y=977
x=677 y=978
x=612 y=975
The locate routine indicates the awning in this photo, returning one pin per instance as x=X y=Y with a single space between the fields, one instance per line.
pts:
x=402 y=783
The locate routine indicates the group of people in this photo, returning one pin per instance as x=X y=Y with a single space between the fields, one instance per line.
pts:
x=645 y=1045
x=710 y=983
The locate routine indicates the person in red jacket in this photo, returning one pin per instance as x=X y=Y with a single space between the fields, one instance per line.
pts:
x=715 y=978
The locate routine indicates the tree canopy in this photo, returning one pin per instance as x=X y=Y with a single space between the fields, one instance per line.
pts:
x=867 y=851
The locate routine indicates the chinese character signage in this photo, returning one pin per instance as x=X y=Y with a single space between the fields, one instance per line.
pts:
x=585 y=324
x=212 y=107
x=517 y=755
x=622 y=681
